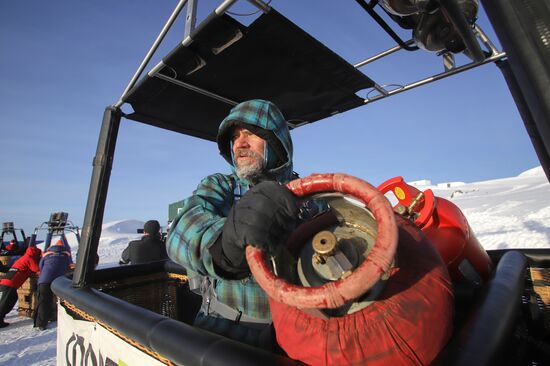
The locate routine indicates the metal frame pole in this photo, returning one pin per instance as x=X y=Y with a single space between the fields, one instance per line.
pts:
x=191 y=18
x=151 y=52
x=433 y=78
x=93 y=218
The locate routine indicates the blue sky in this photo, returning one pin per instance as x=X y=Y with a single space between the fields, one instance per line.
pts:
x=62 y=62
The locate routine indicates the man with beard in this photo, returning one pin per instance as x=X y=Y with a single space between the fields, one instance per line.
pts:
x=227 y=212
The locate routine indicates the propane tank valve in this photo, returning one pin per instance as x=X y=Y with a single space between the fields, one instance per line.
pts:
x=324 y=243
x=328 y=260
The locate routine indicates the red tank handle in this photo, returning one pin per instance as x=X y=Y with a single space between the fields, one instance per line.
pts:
x=334 y=294
x=422 y=203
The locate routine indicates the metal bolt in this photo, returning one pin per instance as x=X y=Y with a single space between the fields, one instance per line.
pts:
x=324 y=243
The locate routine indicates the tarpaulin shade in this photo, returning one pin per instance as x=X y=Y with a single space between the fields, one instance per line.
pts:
x=270 y=59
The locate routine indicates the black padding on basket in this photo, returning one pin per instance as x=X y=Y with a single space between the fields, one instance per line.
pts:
x=271 y=59
x=537 y=257
x=192 y=346
x=177 y=341
x=125 y=271
x=484 y=338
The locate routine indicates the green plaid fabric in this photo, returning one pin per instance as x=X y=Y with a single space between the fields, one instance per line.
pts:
x=204 y=213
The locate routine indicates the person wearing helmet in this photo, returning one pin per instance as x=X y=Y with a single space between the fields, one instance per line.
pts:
x=55 y=262
x=228 y=211
x=14 y=278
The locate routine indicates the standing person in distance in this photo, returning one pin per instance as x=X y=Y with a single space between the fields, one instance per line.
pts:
x=150 y=248
x=55 y=262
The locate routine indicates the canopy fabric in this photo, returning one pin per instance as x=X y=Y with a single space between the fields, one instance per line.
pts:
x=270 y=59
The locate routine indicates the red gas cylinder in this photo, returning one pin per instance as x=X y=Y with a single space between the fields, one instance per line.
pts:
x=446 y=227
x=407 y=323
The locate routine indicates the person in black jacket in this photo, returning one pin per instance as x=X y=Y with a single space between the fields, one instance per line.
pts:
x=149 y=248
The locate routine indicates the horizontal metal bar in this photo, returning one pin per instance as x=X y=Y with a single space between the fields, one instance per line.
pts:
x=222 y=8
x=380 y=89
x=196 y=89
x=436 y=77
x=381 y=54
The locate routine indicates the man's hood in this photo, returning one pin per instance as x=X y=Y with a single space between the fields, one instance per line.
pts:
x=33 y=252
x=264 y=119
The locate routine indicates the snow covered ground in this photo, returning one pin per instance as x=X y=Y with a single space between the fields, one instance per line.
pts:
x=504 y=213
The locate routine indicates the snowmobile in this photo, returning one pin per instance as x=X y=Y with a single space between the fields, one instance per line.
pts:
x=346 y=259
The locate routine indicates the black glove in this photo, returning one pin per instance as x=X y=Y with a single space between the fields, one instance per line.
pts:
x=264 y=217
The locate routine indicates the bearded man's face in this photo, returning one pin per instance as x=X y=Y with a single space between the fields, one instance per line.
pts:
x=248 y=153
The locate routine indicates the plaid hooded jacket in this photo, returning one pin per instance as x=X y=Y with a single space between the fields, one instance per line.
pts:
x=203 y=215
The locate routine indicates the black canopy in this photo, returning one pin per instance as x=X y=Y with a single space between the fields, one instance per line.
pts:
x=270 y=59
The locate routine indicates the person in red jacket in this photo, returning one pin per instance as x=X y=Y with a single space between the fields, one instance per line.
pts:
x=12 y=246
x=14 y=278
